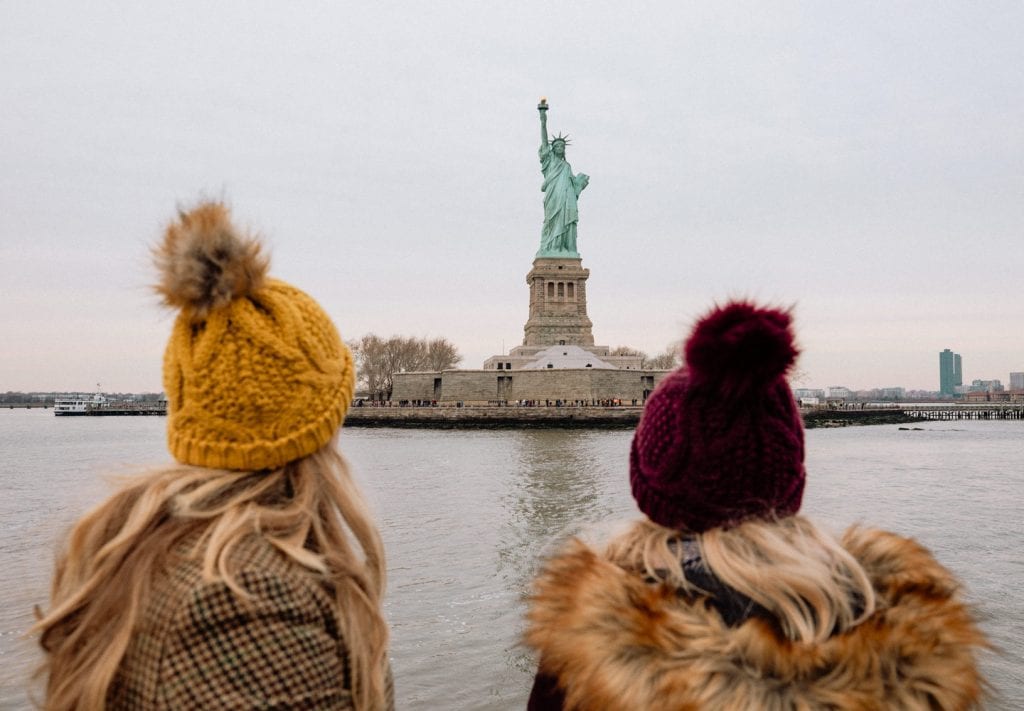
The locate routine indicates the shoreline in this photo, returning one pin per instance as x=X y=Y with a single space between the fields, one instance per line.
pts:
x=540 y=417
x=495 y=417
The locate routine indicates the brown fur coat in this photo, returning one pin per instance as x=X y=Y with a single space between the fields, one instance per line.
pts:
x=614 y=641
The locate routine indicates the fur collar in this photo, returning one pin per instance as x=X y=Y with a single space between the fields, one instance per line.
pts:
x=616 y=642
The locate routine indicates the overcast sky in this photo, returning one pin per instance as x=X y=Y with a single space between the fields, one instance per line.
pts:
x=863 y=161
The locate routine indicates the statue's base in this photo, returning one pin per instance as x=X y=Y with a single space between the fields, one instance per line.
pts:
x=558 y=303
x=557 y=255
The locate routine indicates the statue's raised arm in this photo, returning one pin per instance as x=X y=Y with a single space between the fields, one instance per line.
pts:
x=542 y=107
x=561 y=189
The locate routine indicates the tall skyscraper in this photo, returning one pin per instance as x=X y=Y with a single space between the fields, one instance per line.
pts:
x=1016 y=381
x=950 y=372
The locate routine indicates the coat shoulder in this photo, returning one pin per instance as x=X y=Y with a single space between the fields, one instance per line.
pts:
x=271 y=640
x=896 y=563
x=614 y=641
x=275 y=646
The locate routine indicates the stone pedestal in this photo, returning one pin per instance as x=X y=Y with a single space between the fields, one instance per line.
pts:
x=558 y=304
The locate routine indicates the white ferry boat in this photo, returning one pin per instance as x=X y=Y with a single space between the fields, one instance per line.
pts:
x=78 y=405
x=100 y=405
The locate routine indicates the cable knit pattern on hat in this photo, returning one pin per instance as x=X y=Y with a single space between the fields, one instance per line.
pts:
x=721 y=439
x=255 y=373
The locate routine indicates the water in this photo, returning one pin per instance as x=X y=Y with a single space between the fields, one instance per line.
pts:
x=465 y=516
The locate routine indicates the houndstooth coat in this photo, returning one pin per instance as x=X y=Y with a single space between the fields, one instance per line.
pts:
x=199 y=646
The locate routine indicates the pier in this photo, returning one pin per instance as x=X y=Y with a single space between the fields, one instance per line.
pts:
x=980 y=411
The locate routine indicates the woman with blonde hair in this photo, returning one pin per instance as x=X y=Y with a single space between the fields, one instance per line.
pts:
x=724 y=597
x=251 y=575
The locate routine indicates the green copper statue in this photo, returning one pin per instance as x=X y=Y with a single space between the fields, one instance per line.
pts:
x=561 y=188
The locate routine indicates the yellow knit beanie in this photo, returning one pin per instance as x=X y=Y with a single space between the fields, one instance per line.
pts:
x=255 y=373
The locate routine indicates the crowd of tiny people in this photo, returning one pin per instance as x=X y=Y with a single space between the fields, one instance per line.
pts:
x=558 y=402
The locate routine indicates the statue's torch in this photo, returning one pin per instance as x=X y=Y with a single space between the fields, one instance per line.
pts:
x=543 y=105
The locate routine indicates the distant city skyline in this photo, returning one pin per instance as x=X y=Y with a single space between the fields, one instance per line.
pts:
x=859 y=161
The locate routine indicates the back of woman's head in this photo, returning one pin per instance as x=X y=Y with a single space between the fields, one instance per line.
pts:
x=255 y=372
x=258 y=382
x=719 y=454
x=721 y=439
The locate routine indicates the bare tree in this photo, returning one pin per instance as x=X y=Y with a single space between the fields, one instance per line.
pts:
x=369 y=354
x=441 y=355
x=666 y=360
x=377 y=359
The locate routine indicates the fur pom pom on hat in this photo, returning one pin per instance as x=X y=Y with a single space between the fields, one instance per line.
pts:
x=256 y=375
x=721 y=439
x=205 y=263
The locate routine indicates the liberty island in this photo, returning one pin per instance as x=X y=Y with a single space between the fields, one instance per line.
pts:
x=558 y=361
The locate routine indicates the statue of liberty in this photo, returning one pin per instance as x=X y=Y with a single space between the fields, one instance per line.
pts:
x=561 y=189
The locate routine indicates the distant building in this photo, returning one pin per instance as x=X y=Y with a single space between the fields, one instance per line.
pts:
x=557 y=362
x=988 y=396
x=950 y=373
x=838 y=392
x=1016 y=381
x=985 y=386
x=800 y=393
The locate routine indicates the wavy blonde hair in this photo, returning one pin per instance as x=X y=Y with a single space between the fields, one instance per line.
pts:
x=311 y=510
x=811 y=584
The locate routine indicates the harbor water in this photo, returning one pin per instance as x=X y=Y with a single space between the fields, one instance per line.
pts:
x=466 y=515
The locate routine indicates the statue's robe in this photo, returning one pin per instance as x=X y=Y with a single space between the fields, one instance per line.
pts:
x=561 y=188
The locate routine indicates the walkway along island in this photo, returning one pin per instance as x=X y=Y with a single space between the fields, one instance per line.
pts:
x=626 y=415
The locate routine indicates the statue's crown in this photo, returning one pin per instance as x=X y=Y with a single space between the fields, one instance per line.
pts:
x=564 y=139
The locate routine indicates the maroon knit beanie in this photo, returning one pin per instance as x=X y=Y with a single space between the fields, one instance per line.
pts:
x=721 y=439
